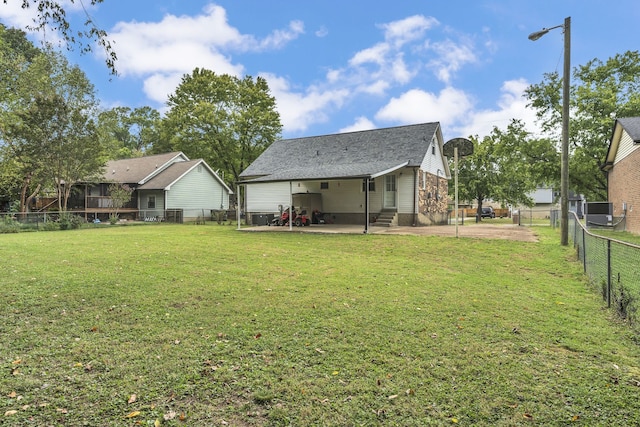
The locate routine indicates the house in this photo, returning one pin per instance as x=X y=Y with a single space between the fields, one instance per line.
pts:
x=165 y=187
x=390 y=176
x=623 y=172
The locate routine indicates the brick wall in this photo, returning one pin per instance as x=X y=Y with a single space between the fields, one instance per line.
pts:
x=624 y=186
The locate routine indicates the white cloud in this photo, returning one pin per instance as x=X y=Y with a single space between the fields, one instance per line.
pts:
x=322 y=32
x=511 y=105
x=162 y=52
x=159 y=86
x=406 y=30
x=450 y=57
x=298 y=110
x=361 y=123
x=375 y=55
x=417 y=106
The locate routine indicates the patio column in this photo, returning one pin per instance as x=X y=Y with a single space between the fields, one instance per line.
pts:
x=366 y=205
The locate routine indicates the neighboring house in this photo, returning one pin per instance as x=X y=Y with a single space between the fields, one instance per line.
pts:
x=165 y=187
x=391 y=176
x=622 y=167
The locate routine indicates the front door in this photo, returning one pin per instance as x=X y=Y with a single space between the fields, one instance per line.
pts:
x=390 y=191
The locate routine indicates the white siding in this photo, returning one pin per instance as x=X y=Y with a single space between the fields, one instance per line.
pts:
x=197 y=190
x=346 y=196
x=433 y=162
x=626 y=147
x=265 y=197
x=406 y=191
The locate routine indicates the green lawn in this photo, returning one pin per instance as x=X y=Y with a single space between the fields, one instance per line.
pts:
x=205 y=325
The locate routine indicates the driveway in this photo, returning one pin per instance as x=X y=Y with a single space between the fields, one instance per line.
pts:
x=480 y=231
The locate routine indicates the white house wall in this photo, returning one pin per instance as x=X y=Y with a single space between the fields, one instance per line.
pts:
x=406 y=191
x=265 y=197
x=342 y=196
x=196 y=191
x=433 y=161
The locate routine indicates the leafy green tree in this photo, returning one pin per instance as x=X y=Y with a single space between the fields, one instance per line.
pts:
x=52 y=14
x=600 y=93
x=53 y=136
x=131 y=133
x=120 y=195
x=19 y=180
x=506 y=166
x=222 y=119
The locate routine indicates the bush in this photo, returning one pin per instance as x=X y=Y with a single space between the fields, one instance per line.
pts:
x=69 y=221
x=9 y=225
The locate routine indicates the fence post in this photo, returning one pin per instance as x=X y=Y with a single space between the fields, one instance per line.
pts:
x=584 y=252
x=609 y=273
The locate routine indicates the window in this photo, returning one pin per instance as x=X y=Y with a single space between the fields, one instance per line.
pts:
x=372 y=185
x=151 y=202
x=324 y=185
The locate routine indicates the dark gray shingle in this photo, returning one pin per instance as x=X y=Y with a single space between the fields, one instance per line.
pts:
x=343 y=155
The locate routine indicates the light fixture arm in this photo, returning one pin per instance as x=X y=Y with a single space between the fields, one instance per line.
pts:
x=536 y=35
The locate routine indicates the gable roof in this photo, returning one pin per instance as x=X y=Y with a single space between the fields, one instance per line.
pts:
x=157 y=172
x=140 y=169
x=174 y=172
x=631 y=125
x=362 y=154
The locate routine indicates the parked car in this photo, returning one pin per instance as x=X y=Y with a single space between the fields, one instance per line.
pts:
x=488 y=212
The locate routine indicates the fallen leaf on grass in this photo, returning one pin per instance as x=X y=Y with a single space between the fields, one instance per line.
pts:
x=132 y=414
x=169 y=415
x=12 y=394
x=132 y=398
x=16 y=362
x=575 y=418
x=393 y=396
x=257 y=336
x=182 y=416
x=527 y=416
x=10 y=412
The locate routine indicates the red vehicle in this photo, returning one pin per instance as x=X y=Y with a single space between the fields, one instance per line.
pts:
x=298 y=219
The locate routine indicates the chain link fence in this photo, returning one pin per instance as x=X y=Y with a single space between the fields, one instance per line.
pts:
x=612 y=266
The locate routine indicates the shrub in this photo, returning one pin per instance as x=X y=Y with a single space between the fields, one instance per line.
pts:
x=9 y=225
x=69 y=221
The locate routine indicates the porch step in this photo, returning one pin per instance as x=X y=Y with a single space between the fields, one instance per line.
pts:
x=386 y=219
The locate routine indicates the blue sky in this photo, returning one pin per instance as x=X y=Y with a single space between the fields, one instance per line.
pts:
x=337 y=66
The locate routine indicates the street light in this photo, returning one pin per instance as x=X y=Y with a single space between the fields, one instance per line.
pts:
x=564 y=166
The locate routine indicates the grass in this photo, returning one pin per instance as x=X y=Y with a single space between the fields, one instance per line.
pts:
x=205 y=325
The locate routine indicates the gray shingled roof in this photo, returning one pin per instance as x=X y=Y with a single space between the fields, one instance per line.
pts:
x=137 y=170
x=344 y=155
x=632 y=126
x=168 y=176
